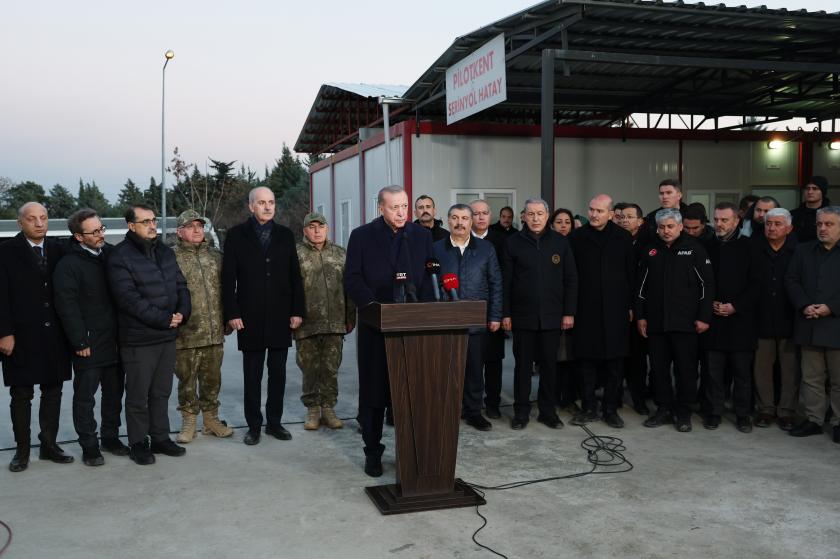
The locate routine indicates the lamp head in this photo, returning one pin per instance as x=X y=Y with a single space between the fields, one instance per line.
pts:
x=170 y=54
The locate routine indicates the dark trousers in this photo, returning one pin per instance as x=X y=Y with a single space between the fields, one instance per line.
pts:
x=473 y=377
x=636 y=367
x=48 y=412
x=612 y=373
x=739 y=364
x=531 y=346
x=85 y=384
x=252 y=367
x=567 y=383
x=149 y=371
x=679 y=349
x=494 y=354
x=371 y=420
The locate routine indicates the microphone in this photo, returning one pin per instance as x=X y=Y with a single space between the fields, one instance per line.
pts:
x=400 y=279
x=411 y=291
x=451 y=285
x=433 y=269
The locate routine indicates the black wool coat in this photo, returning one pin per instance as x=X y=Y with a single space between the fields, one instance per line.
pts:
x=27 y=311
x=606 y=272
x=774 y=314
x=262 y=287
x=148 y=288
x=540 y=280
x=813 y=277
x=736 y=282
x=83 y=302
x=369 y=277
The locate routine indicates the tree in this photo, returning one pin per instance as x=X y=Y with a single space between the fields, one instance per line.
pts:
x=25 y=192
x=61 y=202
x=151 y=196
x=91 y=197
x=129 y=196
x=6 y=185
x=287 y=173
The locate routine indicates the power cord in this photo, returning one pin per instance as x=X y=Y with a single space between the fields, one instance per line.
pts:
x=605 y=454
x=8 y=540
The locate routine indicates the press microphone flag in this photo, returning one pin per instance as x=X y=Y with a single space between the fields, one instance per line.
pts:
x=433 y=269
x=400 y=279
x=451 y=285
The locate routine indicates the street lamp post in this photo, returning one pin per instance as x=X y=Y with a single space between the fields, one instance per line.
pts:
x=169 y=55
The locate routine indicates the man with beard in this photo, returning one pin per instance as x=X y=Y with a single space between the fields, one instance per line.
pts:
x=505 y=223
x=424 y=211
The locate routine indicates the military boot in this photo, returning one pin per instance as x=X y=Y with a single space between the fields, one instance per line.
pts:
x=214 y=426
x=313 y=418
x=187 y=433
x=329 y=419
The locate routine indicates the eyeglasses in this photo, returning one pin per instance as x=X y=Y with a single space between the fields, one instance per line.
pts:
x=147 y=222
x=100 y=231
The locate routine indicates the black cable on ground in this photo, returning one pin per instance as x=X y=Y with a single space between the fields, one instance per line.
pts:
x=605 y=454
x=9 y=540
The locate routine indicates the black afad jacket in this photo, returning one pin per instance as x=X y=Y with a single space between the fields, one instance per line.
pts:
x=674 y=286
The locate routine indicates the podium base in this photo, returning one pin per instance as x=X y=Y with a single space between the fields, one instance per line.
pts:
x=389 y=499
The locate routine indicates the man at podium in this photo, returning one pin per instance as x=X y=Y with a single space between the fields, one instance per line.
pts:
x=386 y=261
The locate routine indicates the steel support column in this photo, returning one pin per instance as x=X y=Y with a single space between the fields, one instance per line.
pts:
x=547 y=128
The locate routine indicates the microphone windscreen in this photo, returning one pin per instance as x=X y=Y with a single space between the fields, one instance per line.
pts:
x=433 y=266
x=450 y=281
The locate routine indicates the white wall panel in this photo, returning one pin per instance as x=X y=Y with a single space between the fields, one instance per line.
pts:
x=321 y=193
x=376 y=174
x=827 y=164
x=347 y=188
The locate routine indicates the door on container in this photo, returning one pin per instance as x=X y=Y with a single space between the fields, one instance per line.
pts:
x=496 y=198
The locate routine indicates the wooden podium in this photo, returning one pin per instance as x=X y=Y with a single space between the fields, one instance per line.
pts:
x=426 y=347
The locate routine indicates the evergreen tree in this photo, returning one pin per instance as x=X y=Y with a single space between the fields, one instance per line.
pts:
x=151 y=196
x=129 y=195
x=61 y=202
x=287 y=173
x=25 y=192
x=91 y=197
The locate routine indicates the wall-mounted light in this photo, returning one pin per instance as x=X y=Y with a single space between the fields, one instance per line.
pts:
x=775 y=144
x=834 y=144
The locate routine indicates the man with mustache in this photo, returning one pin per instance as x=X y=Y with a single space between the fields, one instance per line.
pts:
x=474 y=261
x=424 y=211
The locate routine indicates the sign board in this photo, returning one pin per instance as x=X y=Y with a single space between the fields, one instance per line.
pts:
x=476 y=82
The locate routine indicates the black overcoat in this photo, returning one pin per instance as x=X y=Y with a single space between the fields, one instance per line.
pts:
x=606 y=272
x=27 y=311
x=83 y=302
x=774 y=314
x=540 y=280
x=813 y=277
x=737 y=282
x=369 y=277
x=262 y=287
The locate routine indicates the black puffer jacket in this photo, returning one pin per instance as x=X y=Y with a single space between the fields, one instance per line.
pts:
x=83 y=302
x=148 y=288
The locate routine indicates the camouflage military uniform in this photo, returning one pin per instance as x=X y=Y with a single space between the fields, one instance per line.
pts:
x=198 y=362
x=320 y=338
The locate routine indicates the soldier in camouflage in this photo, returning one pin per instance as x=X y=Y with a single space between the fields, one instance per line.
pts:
x=329 y=316
x=198 y=362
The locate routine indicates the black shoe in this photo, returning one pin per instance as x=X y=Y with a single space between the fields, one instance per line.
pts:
x=115 y=447
x=20 y=461
x=683 y=424
x=763 y=420
x=53 y=453
x=92 y=456
x=711 y=422
x=518 y=423
x=278 y=432
x=168 y=447
x=479 y=422
x=641 y=409
x=141 y=453
x=785 y=423
x=584 y=417
x=373 y=466
x=836 y=434
x=493 y=412
x=550 y=420
x=806 y=429
x=613 y=420
x=252 y=437
x=658 y=419
x=744 y=424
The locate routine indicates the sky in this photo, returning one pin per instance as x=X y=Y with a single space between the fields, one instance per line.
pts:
x=80 y=82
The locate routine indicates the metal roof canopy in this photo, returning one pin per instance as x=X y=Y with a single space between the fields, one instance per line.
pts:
x=615 y=58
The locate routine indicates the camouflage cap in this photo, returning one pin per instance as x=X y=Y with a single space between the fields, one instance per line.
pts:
x=314 y=216
x=189 y=216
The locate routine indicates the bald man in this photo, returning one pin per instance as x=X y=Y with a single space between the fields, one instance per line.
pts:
x=605 y=265
x=32 y=345
x=262 y=296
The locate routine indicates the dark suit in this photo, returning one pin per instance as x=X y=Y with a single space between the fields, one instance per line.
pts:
x=374 y=254
x=40 y=355
x=263 y=287
x=494 y=349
